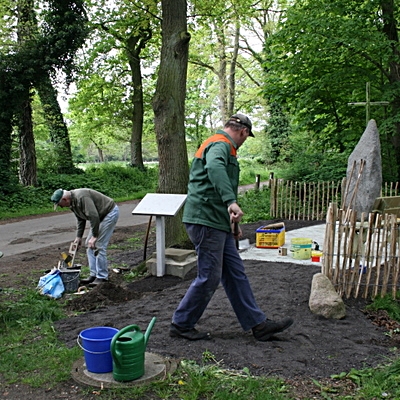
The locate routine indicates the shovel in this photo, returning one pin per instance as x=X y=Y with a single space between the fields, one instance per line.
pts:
x=70 y=257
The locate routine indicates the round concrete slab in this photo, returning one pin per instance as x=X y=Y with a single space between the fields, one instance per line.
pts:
x=155 y=367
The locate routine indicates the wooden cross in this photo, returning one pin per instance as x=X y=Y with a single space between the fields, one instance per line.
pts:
x=368 y=103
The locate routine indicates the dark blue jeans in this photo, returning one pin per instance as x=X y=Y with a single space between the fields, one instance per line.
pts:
x=217 y=261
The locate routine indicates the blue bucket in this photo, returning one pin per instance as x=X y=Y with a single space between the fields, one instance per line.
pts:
x=96 y=344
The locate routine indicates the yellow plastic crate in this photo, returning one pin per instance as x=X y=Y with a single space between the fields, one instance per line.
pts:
x=270 y=238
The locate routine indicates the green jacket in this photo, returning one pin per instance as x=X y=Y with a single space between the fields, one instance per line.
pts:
x=90 y=205
x=213 y=183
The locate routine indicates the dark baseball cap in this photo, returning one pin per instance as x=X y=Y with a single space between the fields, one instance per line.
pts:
x=242 y=119
x=56 y=197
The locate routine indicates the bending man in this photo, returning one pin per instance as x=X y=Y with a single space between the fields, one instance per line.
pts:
x=102 y=212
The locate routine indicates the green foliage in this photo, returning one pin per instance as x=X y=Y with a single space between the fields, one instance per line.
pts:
x=211 y=381
x=33 y=307
x=116 y=181
x=122 y=181
x=381 y=382
x=30 y=351
x=311 y=162
x=64 y=30
x=46 y=157
x=136 y=273
x=250 y=168
x=106 y=111
x=41 y=48
x=98 y=115
x=255 y=205
x=20 y=197
x=320 y=59
x=387 y=303
x=278 y=130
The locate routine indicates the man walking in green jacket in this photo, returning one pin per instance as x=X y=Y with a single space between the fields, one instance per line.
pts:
x=210 y=211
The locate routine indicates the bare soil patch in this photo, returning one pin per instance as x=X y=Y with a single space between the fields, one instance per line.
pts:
x=313 y=348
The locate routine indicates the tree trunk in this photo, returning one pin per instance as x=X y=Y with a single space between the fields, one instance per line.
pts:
x=57 y=127
x=100 y=154
x=27 y=155
x=134 y=46
x=5 y=134
x=232 y=74
x=227 y=82
x=27 y=27
x=169 y=109
x=223 y=90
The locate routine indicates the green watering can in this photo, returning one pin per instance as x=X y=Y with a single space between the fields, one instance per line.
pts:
x=127 y=349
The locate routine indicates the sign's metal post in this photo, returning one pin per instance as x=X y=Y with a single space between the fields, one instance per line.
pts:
x=160 y=205
x=160 y=245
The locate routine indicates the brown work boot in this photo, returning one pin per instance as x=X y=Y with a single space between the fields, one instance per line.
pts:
x=268 y=328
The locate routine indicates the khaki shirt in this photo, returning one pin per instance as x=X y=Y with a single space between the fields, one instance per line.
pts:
x=90 y=205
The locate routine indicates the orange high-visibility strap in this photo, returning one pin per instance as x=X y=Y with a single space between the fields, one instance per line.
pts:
x=218 y=137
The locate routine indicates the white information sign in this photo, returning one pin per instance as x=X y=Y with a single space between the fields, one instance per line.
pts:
x=160 y=205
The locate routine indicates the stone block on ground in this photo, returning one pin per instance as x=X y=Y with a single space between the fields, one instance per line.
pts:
x=178 y=262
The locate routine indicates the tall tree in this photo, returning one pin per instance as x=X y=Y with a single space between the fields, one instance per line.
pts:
x=119 y=37
x=65 y=29
x=217 y=49
x=169 y=108
x=35 y=54
x=99 y=118
x=6 y=126
x=228 y=56
x=320 y=60
x=27 y=30
x=58 y=130
x=391 y=26
x=135 y=45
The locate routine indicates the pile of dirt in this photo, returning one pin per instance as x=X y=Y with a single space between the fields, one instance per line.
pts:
x=101 y=296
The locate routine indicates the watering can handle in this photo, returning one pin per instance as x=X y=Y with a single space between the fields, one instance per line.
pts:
x=126 y=329
x=121 y=332
x=148 y=330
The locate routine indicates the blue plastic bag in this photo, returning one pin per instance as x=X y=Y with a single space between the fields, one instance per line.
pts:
x=51 y=284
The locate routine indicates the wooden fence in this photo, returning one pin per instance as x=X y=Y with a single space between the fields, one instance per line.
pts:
x=303 y=200
x=361 y=258
x=390 y=189
x=310 y=200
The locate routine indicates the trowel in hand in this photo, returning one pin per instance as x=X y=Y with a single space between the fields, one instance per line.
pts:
x=240 y=244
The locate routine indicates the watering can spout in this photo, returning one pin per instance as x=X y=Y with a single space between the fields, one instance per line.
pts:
x=148 y=330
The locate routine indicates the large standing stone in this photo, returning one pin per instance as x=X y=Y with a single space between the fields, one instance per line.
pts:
x=361 y=197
